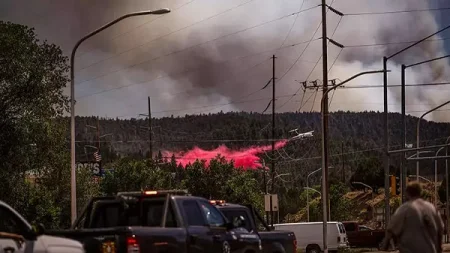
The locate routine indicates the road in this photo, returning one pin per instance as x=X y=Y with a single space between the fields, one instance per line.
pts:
x=446 y=248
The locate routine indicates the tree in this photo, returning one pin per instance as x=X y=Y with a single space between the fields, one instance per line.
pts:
x=33 y=75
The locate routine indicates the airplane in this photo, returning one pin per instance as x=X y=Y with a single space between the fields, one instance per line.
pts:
x=300 y=135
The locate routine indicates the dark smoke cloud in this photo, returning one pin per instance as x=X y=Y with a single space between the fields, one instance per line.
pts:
x=217 y=72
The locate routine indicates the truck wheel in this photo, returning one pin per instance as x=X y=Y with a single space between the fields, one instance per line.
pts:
x=313 y=248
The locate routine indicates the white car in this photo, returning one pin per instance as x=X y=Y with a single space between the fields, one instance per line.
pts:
x=18 y=236
x=309 y=235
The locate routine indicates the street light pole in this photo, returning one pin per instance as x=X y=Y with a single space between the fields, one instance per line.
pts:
x=73 y=187
x=435 y=175
x=368 y=186
x=324 y=111
x=418 y=134
x=386 y=121
x=307 y=193
x=403 y=95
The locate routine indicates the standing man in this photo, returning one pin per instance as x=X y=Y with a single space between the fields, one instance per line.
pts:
x=416 y=225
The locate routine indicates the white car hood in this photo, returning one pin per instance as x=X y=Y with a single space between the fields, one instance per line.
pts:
x=59 y=244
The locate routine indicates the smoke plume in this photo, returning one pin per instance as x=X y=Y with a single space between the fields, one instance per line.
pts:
x=210 y=52
x=246 y=158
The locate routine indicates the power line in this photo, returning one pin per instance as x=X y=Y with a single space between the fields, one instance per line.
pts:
x=395 y=12
x=312 y=70
x=187 y=48
x=170 y=33
x=128 y=31
x=393 y=43
x=192 y=70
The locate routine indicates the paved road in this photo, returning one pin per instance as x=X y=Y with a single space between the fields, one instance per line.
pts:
x=446 y=249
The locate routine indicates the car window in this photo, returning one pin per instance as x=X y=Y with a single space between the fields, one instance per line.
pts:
x=339 y=228
x=350 y=226
x=231 y=214
x=10 y=223
x=213 y=216
x=342 y=228
x=113 y=214
x=364 y=228
x=193 y=213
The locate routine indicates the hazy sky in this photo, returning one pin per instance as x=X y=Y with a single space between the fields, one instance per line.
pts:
x=213 y=55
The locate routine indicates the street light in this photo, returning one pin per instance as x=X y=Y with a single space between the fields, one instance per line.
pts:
x=368 y=186
x=312 y=189
x=424 y=178
x=307 y=193
x=73 y=188
x=323 y=107
x=418 y=132
x=386 y=121
x=435 y=176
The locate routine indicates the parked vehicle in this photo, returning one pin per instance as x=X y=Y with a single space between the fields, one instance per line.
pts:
x=310 y=235
x=272 y=241
x=17 y=235
x=158 y=221
x=363 y=236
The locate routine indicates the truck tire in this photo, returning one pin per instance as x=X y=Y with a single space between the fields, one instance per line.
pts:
x=313 y=248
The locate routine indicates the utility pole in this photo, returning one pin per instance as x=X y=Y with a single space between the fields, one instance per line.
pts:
x=273 y=135
x=343 y=161
x=325 y=202
x=98 y=134
x=150 y=145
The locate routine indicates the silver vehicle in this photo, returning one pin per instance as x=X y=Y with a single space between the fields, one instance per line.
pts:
x=17 y=236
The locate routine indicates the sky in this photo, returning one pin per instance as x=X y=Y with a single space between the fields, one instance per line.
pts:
x=208 y=56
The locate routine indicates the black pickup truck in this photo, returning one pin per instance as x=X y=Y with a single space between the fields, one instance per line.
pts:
x=247 y=216
x=157 y=221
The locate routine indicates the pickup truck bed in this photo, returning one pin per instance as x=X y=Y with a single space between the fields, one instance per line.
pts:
x=157 y=222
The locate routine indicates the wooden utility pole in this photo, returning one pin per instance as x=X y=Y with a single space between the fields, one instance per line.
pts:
x=325 y=196
x=150 y=145
x=273 y=135
x=343 y=162
x=98 y=134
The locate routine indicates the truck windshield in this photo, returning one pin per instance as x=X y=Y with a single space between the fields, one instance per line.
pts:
x=148 y=212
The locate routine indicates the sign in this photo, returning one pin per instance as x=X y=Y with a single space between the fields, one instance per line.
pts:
x=274 y=198
x=94 y=167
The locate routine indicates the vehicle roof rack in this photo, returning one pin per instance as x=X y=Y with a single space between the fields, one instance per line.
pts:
x=154 y=192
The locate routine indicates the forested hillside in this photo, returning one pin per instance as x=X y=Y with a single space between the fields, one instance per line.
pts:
x=357 y=135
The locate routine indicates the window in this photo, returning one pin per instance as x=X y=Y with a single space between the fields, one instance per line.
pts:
x=350 y=226
x=341 y=228
x=213 y=216
x=193 y=213
x=233 y=214
x=153 y=212
x=10 y=223
x=106 y=216
x=145 y=213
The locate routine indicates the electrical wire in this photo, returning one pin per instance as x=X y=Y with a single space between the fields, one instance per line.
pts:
x=395 y=12
x=189 y=71
x=189 y=47
x=312 y=70
x=293 y=24
x=314 y=100
x=168 y=34
x=393 y=43
x=130 y=30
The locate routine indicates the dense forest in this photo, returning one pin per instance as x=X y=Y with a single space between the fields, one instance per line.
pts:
x=355 y=139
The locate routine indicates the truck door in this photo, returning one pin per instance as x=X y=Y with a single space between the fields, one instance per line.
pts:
x=202 y=237
x=11 y=231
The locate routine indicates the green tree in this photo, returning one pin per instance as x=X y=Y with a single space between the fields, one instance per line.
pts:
x=33 y=75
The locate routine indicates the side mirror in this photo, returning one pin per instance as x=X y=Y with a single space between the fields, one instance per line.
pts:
x=37 y=230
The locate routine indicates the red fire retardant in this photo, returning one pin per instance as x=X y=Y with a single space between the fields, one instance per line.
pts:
x=245 y=158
